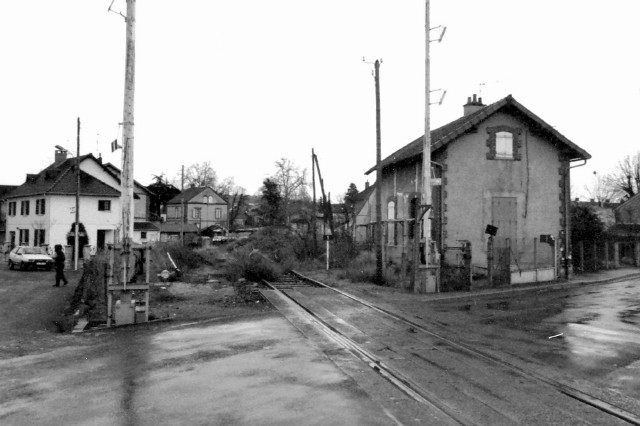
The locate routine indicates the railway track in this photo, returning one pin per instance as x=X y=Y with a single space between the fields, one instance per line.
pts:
x=289 y=285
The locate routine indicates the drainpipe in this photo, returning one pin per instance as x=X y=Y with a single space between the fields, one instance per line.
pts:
x=567 y=214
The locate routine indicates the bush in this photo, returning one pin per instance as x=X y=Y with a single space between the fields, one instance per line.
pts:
x=246 y=263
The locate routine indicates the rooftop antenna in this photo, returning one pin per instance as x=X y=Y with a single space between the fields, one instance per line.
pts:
x=480 y=89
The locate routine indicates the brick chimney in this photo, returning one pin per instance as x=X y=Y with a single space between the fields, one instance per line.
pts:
x=473 y=105
x=60 y=157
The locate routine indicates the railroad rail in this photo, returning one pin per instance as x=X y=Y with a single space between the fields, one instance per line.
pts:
x=296 y=280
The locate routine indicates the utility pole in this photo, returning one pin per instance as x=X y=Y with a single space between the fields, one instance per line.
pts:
x=379 y=261
x=127 y=129
x=76 y=231
x=431 y=271
x=315 y=211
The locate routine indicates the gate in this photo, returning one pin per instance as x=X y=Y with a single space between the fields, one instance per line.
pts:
x=455 y=268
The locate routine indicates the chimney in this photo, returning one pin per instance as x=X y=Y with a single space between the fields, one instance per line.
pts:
x=99 y=159
x=60 y=157
x=366 y=185
x=472 y=105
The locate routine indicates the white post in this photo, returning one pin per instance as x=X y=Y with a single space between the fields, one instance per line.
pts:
x=327 y=254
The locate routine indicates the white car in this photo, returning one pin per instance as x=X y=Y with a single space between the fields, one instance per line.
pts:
x=30 y=258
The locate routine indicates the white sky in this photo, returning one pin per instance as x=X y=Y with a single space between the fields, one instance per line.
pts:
x=243 y=83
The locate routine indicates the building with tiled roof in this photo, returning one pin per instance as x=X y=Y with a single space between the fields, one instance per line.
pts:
x=41 y=211
x=200 y=206
x=498 y=164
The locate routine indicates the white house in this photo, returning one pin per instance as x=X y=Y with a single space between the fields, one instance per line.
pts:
x=41 y=211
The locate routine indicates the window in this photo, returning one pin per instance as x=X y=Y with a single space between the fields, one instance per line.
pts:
x=40 y=206
x=218 y=213
x=104 y=205
x=12 y=208
x=24 y=237
x=196 y=213
x=504 y=145
x=38 y=237
x=175 y=212
x=24 y=208
x=205 y=199
x=143 y=235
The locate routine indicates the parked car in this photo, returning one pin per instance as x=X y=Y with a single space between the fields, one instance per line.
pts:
x=30 y=258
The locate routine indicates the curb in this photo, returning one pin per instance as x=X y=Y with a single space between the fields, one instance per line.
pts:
x=553 y=286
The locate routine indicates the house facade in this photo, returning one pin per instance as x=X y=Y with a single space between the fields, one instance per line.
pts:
x=41 y=211
x=199 y=206
x=498 y=165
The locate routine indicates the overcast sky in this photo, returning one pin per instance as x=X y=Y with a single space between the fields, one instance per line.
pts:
x=243 y=83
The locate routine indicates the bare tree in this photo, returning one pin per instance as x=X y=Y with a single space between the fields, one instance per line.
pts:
x=626 y=178
x=601 y=189
x=198 y=174
x=292 y=183
x=203 y=174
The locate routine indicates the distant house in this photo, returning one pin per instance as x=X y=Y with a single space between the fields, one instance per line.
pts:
x=41 y=211
x=498 y=165
x=4 y=189
x=198 y=206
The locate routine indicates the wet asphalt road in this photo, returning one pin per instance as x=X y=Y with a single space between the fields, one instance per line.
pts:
x=590 y=332
x=251 y=372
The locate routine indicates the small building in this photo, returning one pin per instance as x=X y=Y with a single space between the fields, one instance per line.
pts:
x=199 y=206
x=41 y=211
x=499 y=165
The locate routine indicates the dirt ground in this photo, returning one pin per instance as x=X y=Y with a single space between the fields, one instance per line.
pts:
x=204 y=299
x=30 y=307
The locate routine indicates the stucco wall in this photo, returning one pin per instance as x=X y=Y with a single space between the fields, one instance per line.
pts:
x=472 y=181
x=60 y=215
x=140 y=205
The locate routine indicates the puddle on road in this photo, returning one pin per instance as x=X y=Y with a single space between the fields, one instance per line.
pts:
x=630 y=316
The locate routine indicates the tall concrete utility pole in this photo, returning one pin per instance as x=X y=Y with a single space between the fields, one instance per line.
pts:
x=126 y=196
x=379 y=260
x=429 y=272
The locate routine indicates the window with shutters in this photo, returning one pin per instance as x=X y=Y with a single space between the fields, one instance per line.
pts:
x=40 y=206
x=504 y=143
x=24 y=208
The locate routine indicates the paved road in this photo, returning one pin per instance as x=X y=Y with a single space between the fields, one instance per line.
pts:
x=591 y=332
x=250 y=372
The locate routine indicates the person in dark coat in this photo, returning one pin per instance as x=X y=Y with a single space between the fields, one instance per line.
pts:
x=59 y=266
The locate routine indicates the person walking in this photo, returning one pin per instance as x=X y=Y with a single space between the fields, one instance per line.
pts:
x=59 y=266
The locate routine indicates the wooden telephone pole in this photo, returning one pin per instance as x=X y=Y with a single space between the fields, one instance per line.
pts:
x=76 y=230
x=379 y=261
